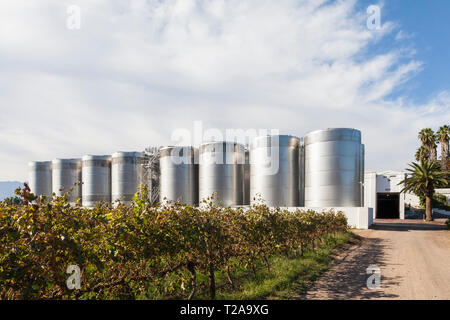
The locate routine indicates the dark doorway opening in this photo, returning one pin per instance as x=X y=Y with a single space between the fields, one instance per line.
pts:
x=388 y=206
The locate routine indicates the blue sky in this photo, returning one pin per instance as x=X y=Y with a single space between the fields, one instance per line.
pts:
x=136 y=73
x=425 y=27
x=430 y=26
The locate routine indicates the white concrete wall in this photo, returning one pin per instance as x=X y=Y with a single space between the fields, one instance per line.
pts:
x=370 y=190
x=412 y=200
x=402 y=206
x=357 y=217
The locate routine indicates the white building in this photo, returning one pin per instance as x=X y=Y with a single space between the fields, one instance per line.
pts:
x=382 y=192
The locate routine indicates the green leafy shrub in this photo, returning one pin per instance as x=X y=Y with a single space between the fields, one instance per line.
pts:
x=137 y=250
x=439 y=201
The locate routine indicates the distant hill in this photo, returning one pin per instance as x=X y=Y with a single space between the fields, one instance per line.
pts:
x=7 y=188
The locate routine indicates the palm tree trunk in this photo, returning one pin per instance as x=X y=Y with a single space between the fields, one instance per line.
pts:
x=444 y=153
x=428 y=208
x=433 y=153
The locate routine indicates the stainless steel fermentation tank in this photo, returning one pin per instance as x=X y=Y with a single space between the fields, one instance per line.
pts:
x=40 y=178
x=301 y=200
x=221 y=172
x=334 y=168
x=179 y=175
x=65 y=173
x=361 y=175
x=126 y=175
x=246 y=197
x=275 y=167
x=96 y=177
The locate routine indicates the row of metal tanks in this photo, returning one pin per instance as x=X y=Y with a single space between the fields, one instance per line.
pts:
x=104 y=178
x=325 y=169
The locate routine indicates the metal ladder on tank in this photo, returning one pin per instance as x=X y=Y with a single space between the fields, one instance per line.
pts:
x=152 y=172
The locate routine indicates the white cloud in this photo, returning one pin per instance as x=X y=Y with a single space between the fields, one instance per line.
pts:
x=138 y=70
x=402 y=35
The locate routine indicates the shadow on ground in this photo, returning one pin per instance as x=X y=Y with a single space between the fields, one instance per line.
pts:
x=408 y=225
x=348 y=278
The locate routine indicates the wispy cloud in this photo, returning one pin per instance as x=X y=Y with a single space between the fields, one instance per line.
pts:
x=138 y=70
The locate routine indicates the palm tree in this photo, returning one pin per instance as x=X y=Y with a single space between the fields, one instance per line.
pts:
x=428 y=139
x=423 y=179
x=422 y=154
x=443 y=134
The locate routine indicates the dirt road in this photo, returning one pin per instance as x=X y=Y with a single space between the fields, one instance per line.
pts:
x=413 y=257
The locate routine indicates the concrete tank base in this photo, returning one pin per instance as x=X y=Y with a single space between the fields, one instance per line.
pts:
x=357 y=217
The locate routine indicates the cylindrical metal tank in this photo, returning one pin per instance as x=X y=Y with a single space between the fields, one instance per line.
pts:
x=65 y=173
x=361 y=176
x=96 y=177
x=221 y=172
x=275 y=170
x=333 y=168
x=301 y=200
x=40 y=178
x=246 y=199
x=179 y=175
x=126 y=175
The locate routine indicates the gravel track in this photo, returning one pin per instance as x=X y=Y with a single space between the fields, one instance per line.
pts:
x=413 y=256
